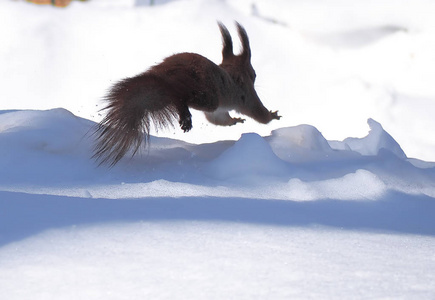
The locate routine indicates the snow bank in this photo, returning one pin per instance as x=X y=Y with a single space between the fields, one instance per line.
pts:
x=53 y=148
x=44 y=146
x=52 y=131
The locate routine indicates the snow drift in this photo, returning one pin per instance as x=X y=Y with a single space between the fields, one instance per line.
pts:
x=53 y=148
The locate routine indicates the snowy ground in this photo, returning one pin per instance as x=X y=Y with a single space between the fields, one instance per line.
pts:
x=252 y=211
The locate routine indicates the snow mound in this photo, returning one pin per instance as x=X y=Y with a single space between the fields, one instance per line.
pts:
x=299 y=143
x=249 y=156
x=43 y=146
x=55 y=130
x=377 y=139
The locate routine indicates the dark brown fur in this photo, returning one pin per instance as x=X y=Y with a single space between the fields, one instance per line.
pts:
x=166 y=91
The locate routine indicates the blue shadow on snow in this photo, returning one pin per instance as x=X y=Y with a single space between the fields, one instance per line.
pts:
x=23 y=215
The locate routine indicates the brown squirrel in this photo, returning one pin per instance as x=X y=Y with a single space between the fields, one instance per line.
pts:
x=166 y=91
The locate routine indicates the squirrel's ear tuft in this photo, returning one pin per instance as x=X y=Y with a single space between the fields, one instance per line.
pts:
x=246 y=52
x=227 y=50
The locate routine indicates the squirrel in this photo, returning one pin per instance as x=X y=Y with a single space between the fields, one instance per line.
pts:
x=166 y=91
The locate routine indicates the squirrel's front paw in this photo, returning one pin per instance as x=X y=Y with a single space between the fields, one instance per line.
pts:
x=274 y=115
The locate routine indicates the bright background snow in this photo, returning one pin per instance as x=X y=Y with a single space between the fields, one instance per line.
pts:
x=333 y=209
x=331 y=64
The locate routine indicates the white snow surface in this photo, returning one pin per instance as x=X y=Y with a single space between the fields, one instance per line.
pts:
x=334 y=201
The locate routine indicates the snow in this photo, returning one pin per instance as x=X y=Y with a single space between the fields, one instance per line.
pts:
x=376 y=140
x=315 y=205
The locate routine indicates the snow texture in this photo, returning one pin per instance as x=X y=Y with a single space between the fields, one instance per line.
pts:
x=332 y=209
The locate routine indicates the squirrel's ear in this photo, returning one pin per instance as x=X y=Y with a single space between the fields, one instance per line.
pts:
x=227 y=50
x=246 y=52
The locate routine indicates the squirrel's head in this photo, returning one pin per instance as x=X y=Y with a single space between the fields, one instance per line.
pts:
x=238 y=66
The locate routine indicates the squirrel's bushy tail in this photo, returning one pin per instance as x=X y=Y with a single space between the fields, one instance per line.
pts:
x=134 y=104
